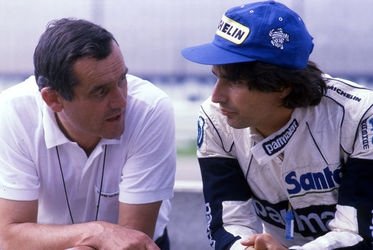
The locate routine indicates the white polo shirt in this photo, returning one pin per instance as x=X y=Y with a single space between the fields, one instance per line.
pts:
x=139 y=166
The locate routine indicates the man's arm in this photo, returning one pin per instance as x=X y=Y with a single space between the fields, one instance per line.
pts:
x=142 y=217
x=229 y=210
x=228 y=206
x=19 y=230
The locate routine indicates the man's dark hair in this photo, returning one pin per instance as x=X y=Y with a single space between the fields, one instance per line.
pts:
x=307 y=85
x=61 y=45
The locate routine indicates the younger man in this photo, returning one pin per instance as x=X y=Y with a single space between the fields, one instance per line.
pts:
x=281 y=142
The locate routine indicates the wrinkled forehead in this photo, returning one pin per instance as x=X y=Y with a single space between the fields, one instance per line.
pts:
x=92 y=70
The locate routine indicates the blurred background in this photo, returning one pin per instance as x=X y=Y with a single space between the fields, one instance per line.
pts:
x=151 y=34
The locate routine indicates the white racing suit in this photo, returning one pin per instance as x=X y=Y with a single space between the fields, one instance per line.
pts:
x=319 y=167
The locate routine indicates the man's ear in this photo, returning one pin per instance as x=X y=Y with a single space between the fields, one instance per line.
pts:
x=52 y=99
x=285 y=92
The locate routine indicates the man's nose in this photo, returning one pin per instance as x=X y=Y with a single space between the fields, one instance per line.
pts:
x=118 y=98
x=219 y=92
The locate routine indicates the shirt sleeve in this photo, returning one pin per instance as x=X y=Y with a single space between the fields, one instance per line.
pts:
x=149 y=172
x=352 y=226
x=229 y=211
x=18 y=176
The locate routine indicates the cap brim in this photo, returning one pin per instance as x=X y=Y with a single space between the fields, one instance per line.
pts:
x=211 y=54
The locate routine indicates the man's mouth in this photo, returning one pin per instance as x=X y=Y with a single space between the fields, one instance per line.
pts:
x=226 y=112
x=114 y=118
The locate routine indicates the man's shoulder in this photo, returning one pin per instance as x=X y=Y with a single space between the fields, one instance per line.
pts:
x=354 y=99
x=348 y=93
x=20 y=107
x=28 y=87
x=138 y=85
x=353 y=106
x=210 y=113
x=144 y=93
x=21 y=96
x=210 y=108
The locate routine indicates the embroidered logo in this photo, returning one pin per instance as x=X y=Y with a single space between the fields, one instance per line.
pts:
x=313 y=182
x=278 y=38
x=232 y=30
x=209 y=220
x=370 y=129
x=201 y=128
x=364 y=134
x=279 y=142
x=343 y=93
x=308 y=221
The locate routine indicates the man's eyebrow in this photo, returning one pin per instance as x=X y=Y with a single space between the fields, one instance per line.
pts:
x=219 y=74
x=97 y=88
x=102 y=85
x=125 y=71
x=124 y=74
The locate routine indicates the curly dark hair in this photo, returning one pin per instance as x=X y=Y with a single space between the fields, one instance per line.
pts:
x=307 y=85
x=61 y=45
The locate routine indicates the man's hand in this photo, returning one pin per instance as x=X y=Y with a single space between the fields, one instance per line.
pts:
x=262 y=242
x=113 y=236
x=80 y=248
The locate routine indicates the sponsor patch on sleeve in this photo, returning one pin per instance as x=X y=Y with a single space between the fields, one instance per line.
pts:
x=366 y=128
x=200 y=131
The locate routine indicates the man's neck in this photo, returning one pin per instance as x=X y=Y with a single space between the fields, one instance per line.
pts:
x=87 y=145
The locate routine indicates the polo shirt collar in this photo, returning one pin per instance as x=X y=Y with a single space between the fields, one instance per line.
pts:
x=53 y=134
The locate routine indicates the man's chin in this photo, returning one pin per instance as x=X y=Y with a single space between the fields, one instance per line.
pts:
x=114 y=134
x=235 y=124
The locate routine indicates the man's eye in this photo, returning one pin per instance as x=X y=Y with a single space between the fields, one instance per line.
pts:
x=101 y=92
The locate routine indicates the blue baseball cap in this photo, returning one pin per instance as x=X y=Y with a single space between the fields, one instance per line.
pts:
x=267 y=31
